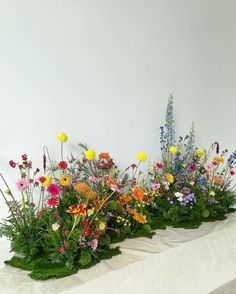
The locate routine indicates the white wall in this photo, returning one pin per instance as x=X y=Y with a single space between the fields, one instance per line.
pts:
x=102 y=71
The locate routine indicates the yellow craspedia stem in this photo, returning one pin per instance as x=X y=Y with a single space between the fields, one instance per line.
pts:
x=47 y=181
x=173 y=150
x=90 y=154
x=200 y=152
x=62 y=137
x=142 y=156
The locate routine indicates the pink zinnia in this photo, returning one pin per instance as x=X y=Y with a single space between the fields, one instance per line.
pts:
x=94 y=244
x=54 y=189
x=209 y=167
x=159 y=165
x=155 y=186
x=53 y=201
x=21 y=185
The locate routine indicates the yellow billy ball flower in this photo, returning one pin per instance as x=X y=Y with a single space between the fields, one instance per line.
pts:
x=200 y=152
x=47 y=181
x=173 y=150
x=62 y=137
x=65 y=180
x=90 y=154
x=170 y=178
x=142 y=156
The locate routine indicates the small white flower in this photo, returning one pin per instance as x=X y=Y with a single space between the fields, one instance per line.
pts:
x=192 y=183
x=178 y=195
x=55 y=226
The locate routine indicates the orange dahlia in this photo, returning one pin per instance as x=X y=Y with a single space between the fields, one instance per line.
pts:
x=138 y=194
x=104 y=155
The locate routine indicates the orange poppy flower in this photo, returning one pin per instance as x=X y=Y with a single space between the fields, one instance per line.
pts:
x=104 y=155
x=138 y=194
x=81 y=187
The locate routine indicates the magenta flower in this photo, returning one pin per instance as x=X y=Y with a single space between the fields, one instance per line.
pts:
x=21 y=185
x=54 y=189
x=192 y=167
x=159 y=165
x=155 y=186
x=94 y=244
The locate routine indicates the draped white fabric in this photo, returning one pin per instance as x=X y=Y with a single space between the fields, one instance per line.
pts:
x=173 y=261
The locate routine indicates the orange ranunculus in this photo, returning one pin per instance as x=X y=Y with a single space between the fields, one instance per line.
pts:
x=81 y=187
x=104 y=155
x=138 y=216
x=218 y=180
x=77 y=209
x=124 y=199
x=138 y=194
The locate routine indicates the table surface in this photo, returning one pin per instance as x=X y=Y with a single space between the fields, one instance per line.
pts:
x=174 y=261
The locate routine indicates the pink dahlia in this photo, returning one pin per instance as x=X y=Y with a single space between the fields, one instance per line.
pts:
x=53 y=201
x=155 y=186
x=21 y=185
x=54 y=189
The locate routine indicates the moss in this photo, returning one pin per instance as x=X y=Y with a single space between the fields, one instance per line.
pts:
x=42 y=270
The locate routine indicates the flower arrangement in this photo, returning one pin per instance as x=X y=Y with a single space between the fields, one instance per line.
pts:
x=69 y=213
x=190 y=184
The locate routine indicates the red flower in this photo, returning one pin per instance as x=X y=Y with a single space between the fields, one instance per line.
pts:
x=31 y=181
x=86 y=232
x=62 y=165
x=42 y=179
x=24 y=157
x=134 y=165
x=54 y=189
x=30 y=164
x=62 y=249
x=53 y=201
x=20 y=166
x=85 y=223
x=12 y=163
x=66 y=232
x=232 y=172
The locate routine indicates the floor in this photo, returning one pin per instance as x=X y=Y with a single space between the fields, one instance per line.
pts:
x=229 y=288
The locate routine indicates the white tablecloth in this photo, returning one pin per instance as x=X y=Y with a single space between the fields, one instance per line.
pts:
x=173 y=261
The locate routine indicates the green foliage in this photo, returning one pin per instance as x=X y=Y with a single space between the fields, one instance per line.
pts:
x=85 y=257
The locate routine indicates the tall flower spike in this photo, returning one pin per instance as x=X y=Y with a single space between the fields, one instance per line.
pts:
x=170 y=123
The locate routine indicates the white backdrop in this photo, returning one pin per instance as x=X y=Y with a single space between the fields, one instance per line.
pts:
x=102 y=71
